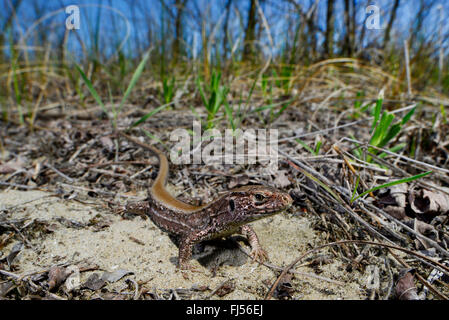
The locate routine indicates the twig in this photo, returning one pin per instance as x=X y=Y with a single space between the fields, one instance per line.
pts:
x=21 y=186
x=338 y=243
x=59 y=173
x=351 y=168
x=272 y=266
x=419 y=277
x=77 y=152
x=136 y=289
x=216 y=289
x=398 y=155
x=341 y=126
x=325 y=183
x=9 y=274
x=113 y=194
x=417 y=234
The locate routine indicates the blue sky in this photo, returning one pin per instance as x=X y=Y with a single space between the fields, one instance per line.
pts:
x=142 y=16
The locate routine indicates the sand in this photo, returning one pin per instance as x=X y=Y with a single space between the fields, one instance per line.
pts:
x=153 y=262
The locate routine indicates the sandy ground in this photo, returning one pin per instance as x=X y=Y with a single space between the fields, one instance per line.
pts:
x=284 y=237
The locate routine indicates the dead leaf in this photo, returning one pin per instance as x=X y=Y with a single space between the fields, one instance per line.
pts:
x=73 y=280
x=393 y=200
x=12 y=166
x=115 y=275
x=14 y=252
x=396 y=212
x=425 y=229
x=398 y=192
x=94 y=282
x=281 y=180
x=405 y=286
x=424 y=201
x=107 y=143
x=6 y=287
x=284 y=290
x=56 y=276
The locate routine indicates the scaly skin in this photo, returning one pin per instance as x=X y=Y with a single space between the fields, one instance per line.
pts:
x=219 y=218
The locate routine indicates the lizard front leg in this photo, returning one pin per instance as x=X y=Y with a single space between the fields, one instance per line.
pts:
x=139 y=208
x=186 y=245
x=257 y=252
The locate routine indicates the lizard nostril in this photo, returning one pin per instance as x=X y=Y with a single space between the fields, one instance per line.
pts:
x=288 y=199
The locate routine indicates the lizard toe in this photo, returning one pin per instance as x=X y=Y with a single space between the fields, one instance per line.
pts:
x=259 y=255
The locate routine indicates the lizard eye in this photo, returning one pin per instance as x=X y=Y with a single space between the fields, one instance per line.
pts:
x=231 y=205
x=259 y=197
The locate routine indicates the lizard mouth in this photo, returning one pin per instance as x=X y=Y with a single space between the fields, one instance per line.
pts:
x=272 y=211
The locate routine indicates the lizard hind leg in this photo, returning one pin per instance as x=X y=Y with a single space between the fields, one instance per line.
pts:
x=257 y=252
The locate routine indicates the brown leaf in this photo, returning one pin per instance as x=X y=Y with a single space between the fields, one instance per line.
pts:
x=6 y=287
x=115 y=275
x=107 y=143
x=12 y=166
x=427 y=230
x=424 y=201
x=56 y=276
x=14 y=252
x=394 y=200
x=281 y=180
x=394 y=195
x=396 y=212
x=284 y=290
x=94 y=282
x=405 y=286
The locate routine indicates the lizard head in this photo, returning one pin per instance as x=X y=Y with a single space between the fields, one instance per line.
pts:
x=251 y=203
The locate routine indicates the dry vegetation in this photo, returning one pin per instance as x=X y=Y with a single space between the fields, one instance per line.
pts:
x=353 y=116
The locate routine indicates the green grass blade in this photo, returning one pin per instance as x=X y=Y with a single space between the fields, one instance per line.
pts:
x=134 y=79
x=202 y=94
x=443 y=113
x=229 y=114
x=394 y=149
x=392 y=183
x=392 y=132
x=149 y=114
x=382 y=128
x=91 y=88
x=149 y=135
x=376 y=113
x=408 y=116
x=305 y=146
x=318 y=147
x=355 y=188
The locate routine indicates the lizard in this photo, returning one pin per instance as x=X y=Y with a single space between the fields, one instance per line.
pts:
x=228 y=214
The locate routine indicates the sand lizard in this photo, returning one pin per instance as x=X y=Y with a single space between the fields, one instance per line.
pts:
x=226 y=215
